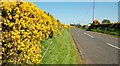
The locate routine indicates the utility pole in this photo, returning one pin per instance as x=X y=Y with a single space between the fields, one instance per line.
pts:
x=93 y=10
x=79 y=22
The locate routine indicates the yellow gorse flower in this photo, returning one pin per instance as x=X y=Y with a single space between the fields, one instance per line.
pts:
x=24 y=26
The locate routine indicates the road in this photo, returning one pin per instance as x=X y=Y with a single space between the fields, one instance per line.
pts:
x=96 y=48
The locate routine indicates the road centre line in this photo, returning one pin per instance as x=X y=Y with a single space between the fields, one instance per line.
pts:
x=88 y=35
x=113 y=46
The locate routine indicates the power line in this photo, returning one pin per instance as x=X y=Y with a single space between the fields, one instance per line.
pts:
x=87 y=11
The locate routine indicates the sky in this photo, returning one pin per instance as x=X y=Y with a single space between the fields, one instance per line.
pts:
x=80 y=12
x=73 y=0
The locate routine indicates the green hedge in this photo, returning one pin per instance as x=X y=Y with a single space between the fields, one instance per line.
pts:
x=113 y=28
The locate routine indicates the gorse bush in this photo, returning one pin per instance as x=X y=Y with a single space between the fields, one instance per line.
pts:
x=24 y=25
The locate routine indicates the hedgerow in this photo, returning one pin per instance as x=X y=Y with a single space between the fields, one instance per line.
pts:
x=24 y=26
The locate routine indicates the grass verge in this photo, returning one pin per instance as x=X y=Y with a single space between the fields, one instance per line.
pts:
x=62 y=50
x=110 y=33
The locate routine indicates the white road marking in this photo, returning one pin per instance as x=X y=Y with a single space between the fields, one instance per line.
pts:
x=113 y=46
x=88 y=35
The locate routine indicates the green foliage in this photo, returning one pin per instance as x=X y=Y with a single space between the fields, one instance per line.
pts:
x=76 y=25
x=112 y=28
x=64 y=52
x=106 y=21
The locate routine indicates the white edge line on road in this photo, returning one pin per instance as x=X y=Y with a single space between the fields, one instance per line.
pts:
x=113 y=46
x=88 y=35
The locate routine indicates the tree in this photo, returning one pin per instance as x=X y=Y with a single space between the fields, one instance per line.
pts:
x=79 y=25
x=96 y=22
x=106 y=21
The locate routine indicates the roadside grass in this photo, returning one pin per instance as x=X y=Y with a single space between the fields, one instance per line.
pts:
x=84 y=28
x=110 y=33
x=62 y=50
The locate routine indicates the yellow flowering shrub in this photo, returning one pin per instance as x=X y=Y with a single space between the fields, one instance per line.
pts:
x=24 y=25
